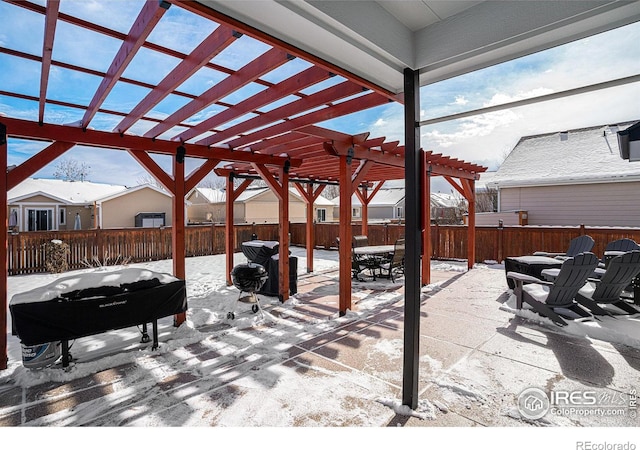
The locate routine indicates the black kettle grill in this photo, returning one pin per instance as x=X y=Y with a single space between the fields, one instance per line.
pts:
x=248 y=278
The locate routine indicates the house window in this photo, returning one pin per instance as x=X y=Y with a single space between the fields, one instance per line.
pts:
x=321 y=215
x=40 y=219
x=399 y=212
x=355 y=212
x=62 y=214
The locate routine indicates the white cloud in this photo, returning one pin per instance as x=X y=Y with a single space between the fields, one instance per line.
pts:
x=460 y=100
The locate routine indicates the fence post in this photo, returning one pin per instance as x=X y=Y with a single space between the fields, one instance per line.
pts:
x=582 y=229
x=436 y=247
x=500 y=241
x=99 y=249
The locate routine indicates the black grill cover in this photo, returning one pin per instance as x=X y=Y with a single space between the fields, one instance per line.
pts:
x=97 y=310
x=249 y=277
x=260 y=252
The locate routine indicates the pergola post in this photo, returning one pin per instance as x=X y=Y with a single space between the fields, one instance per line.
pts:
x=232 y=194
x=280 y=187
x=283 y=266
x=345 y=235
x=426 y=220
x=469 y=187
x=309 y=231
x=229 y=240
x=178 y=223
x=413 y=203
x=309 y=195
x=4 y=263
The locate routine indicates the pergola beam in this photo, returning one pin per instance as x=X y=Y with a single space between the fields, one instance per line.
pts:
x=27 y=129
x=50 y=21
x=36 y=162
x=250 y=72
x=323 y=97
x=346 y=107
x=276 y=92
x=144 y=24
x=213 y=44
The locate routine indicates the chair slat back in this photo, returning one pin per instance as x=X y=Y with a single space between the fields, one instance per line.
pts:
x=573 y=276
x=360 y=241
x=581 y=244
x=620 y=273
x=398 y=253
x=622 y=245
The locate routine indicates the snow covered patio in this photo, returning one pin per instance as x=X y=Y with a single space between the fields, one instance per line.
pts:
x=303 y=365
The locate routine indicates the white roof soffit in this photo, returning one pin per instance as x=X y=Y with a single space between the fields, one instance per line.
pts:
x=376 y=40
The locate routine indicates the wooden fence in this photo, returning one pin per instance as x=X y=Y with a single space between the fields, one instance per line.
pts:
x=26 y=251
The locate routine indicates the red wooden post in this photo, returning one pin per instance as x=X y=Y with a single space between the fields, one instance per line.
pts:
x=471 y=251
x=345 y=234
x=309 y=229
x=426 y=220
x=283 y=267
x=228 y=228
x=178 y=235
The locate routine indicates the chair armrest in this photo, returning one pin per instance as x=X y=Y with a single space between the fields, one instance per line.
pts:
x=524 y=278
x=549 y=254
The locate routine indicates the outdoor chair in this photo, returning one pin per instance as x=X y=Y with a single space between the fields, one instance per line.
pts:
x=608 y=289
x=358 y=263
x=578 y=245
x=617 y=247
x=393 y=264
x=556 y=300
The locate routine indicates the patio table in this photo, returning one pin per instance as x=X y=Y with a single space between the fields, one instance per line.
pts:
x=372 y=250
x=369 y=257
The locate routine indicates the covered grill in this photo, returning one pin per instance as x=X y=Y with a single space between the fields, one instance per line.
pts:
x=248 y=278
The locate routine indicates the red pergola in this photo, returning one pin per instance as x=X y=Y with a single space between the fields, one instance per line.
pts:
x=260 y=135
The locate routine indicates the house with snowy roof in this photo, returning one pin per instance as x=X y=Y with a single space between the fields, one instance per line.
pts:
x=253 y=205
x=388 y=205
x=569 y=177
x=39 y=204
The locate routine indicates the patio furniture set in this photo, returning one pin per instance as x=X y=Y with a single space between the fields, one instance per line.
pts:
x=577 y=284
x=376 y=261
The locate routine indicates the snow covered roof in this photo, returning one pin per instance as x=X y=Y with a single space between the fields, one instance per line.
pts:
x=585 y=155
x=69 y=192
x=219 y=196
x=212 y=195
x=486 y=178
x=441 y=200
x=386 y=197
x=133 y=189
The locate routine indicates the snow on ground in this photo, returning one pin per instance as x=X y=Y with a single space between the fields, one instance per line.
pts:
x=209 y=301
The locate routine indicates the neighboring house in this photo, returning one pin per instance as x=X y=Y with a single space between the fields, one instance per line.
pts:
x=49 y=205
x=140 y=206
x=253 y=205
x=43 y=204
x=388 y=205
x=570 y=177
x=486 y=193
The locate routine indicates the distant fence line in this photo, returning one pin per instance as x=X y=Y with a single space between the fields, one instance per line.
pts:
x=26 y=255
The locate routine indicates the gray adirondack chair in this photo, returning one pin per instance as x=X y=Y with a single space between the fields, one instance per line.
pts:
x=581 y=244
x=556 y=300
x=607 y=290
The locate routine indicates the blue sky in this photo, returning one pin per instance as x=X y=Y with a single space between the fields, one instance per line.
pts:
x=484 y=139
